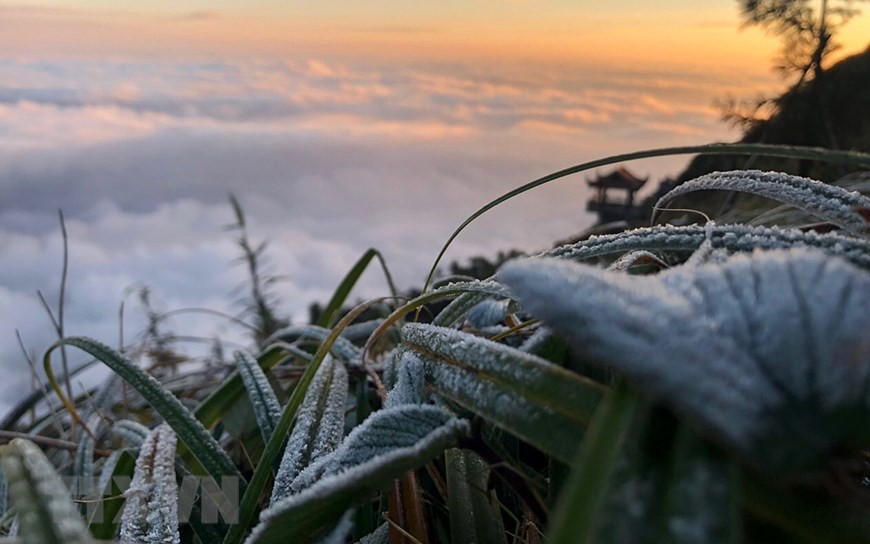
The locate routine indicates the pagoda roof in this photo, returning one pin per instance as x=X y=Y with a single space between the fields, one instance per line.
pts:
x=620 y=178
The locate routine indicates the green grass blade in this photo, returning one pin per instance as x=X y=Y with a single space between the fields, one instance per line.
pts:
x=189 y=430
x=10 y=420
x=102 y=521
x=252 y=494
x=852 y=158
x=580 y=500
x=45 y=512
x=330 y=313
x=265 y=404
x=473 y=518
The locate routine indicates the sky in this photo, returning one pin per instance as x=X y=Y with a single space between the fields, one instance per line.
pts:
x=339 y=125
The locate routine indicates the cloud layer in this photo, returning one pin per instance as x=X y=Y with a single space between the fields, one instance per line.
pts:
x=328 y=159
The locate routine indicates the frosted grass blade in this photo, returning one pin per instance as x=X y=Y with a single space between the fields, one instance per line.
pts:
x=389 y=443
x=265 y=404
x=861 y=160
x=45 y=512
x=151 y=511
x=827 y=202
x=524 y=394
x=190 y=431
x=319 y=425
x=741 y=238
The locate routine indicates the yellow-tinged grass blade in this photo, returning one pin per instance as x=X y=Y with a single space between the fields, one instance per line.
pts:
x=189 y=430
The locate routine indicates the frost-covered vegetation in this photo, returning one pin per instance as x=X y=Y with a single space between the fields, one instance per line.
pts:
x=685 y=383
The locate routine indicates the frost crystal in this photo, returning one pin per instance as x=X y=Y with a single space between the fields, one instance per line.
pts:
x=267 y=409
x=741 y=238
x=769 y=352
x=151 y=510
x=319 y=425
x=827 y=202
x=409 y=384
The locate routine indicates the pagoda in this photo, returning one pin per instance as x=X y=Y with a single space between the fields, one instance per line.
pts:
x=614 y=198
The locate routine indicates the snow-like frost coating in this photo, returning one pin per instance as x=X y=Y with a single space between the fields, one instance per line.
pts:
x=741 y=238
x=151 y=510
x=828 y=202
x=319 y=425
x=769 y=351
x=267 y=409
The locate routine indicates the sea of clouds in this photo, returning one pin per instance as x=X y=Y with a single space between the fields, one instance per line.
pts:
x=328 y=158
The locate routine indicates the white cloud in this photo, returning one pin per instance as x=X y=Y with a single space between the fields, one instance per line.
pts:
x=328 y=159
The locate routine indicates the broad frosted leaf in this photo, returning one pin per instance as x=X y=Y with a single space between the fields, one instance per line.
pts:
x=151 y=511
x=527 y=395
x=45 y=512
x=769 y=352
x=828 y=202
x=342 y=348
x=319 y=425
x=386 y=445
x=267 y=409
x=741 y=238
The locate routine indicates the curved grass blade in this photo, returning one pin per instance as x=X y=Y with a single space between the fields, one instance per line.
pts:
x=190 y=431
x=251 y=496
x=330 y=313
x=265 y=404
x=12 y=417
x=45 y=512
x=151 y=511
x=83 y=468
x=319 y=425
x=583 y=494
x=828 y=202
x=524 y=394
x=473 y=517
x=741 y=238
x=852 y=158
x=389 y=443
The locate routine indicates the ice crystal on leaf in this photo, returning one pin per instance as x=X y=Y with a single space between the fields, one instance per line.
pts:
x=828 y=202
x=388 y=443
x=768 y=352
x=151 y=511
x=319 y=425
x=265 y=404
